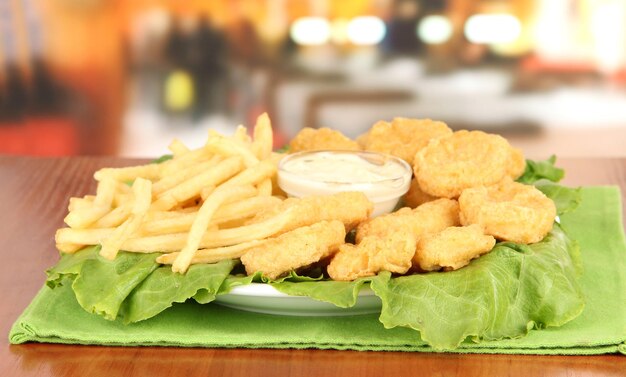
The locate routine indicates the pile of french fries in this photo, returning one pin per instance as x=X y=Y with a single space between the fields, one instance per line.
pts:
x=193 y=208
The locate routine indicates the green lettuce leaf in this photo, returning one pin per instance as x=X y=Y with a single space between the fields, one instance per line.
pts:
x=536 y=170
x=163 y=287
x=339 y=293
x=565 y=198
x=101 y=285
x=503 y=294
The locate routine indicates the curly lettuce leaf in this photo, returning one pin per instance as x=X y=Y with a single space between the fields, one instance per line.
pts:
x=503 y=294
x=536 y=170
x=565 y=198
x=339 y=293
x=162 y=288
x=101 y=285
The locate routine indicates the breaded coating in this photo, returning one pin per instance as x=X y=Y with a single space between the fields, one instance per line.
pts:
x=402 y=137
x=447 y=166
x=297 y=248
x=311 y=139
x=372 y=255
x=351 y=208
x=430 y=217
x=517 y=163
x=415 y=196
x=509 y=211
x=452 y=248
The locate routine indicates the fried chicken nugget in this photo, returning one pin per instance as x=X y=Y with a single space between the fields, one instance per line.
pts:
x=452 y=248
x=351 y=208
x=372 y=255
x=415 y=196
x=449 y=165
x=311 y=139
x=430 y=217
x=402 y=137
x=297 y=248
x=517 y=163
x=509 y=211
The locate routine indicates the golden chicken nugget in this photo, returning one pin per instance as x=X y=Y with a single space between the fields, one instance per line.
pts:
x=517 y=163
x=509 y=211
x=452 y=248
x=430 y=217
x=372 y=255
x=403 y=137
x=449 y=165
x=312 y=139
x=292 y=250
x=415 y=196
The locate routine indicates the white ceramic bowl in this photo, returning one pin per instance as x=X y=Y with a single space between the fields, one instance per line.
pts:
x=382 y=178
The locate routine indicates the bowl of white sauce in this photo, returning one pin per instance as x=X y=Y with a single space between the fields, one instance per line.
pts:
x=382 y=178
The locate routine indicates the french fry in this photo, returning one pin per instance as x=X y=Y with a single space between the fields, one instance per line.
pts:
x=69 y=248
x=85 y=216
x=263 y=137
x=206 y=191
x=79 y=203
x=193 y=186
x=252 y=175
x=212 y=255
x=142 y=188
x=241 y=134
x=213 y=239
x=92 y=236
x=127 y=174
x=175 y=178
x=178 y=148
x=226 y=213
x=265 y=187
x=231 y=147
x=184 y=161
x=115 y=217
x=201 y=223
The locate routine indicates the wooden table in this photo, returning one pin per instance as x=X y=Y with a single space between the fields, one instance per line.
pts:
x=34 y=194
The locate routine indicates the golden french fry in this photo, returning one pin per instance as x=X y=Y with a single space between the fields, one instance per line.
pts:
x=175 y=178
x=263 y=137
x=241 y=134
x=252 y=175
x=127 y=174
x=82 y=236
x=175 y=242
x=79 y=203
x=265 y=187
x=193 y=186
x=206 y=191
x=201 y=223
x=230 y=147
x=83 y=217
x=212 y=255
x=142 y=188
x=188 y=159
x=115 y=217
x=178 y=148
x=69 y=248
x=226 y=213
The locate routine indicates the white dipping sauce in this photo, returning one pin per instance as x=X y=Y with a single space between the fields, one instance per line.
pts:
x=382 y=178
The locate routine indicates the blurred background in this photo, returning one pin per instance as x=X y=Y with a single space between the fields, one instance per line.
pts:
x=124 y=78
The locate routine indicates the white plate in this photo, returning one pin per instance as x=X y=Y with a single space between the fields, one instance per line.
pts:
x=263 y=298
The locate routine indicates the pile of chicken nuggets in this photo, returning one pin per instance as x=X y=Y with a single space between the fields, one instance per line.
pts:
x=463 y=198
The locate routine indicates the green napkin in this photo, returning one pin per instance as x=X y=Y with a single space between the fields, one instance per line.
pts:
x=54 y=316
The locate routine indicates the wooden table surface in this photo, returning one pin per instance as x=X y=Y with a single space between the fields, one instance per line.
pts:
x=33 y=200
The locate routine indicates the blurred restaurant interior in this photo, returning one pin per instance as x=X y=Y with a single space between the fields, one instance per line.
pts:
x=115 y=77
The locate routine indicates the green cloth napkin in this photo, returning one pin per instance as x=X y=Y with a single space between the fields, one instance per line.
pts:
x=54 y=316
